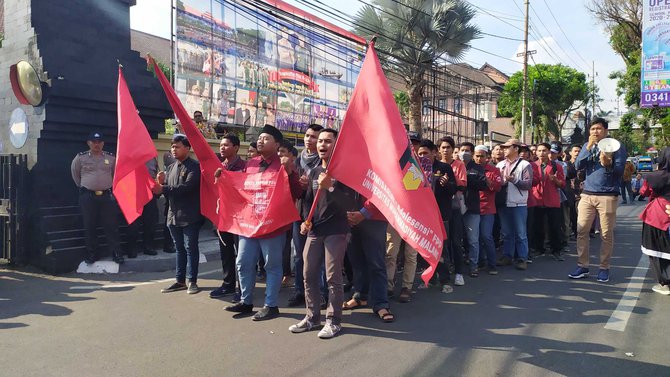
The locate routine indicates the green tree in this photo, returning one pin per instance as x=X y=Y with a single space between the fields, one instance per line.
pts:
x=413 y=35
x=402 y=100
x=558 y=91
x=167 y=70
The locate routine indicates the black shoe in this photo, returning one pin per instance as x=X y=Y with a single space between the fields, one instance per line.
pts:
x=240 y=307
x=90 y=259
x=221 y=291
x=169 y=250
x=174 y=288
x=347 y=287
x=132 y=254
x=118 y=258
x=267 y=312
x=150 y=252
x=298 y=299
x=557 y=257
x=237 y=297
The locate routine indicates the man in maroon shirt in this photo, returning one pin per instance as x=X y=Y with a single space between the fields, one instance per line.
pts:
x=271 y=245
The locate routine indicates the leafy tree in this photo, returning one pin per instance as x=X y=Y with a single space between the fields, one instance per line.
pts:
x=413 y=34
x=165 y=68
x=559 y=90
x=402 y=100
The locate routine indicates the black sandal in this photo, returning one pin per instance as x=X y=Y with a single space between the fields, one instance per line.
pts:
x=385 y=315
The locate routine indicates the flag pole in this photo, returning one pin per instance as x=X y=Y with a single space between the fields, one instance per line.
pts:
x=308 y=220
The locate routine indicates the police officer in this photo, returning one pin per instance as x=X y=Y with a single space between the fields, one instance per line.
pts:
x=92 y=172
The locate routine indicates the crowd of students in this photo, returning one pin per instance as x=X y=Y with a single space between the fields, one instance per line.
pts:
x=501 y=206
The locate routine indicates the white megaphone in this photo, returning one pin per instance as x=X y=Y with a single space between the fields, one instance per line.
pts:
x=609 y=145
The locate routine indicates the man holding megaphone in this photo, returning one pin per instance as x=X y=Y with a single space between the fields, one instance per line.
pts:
x=603 y=160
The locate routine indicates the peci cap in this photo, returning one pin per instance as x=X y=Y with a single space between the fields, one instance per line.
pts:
x=482 y=148
x=94 y=135
x=414 y=136
x=271 y=130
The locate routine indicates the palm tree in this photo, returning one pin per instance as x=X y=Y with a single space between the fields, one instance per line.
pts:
x=412 y=35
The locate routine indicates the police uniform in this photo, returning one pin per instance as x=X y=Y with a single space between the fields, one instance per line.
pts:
x=93 y=174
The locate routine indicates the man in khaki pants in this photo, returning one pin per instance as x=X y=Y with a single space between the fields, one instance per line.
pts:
x=599 y=197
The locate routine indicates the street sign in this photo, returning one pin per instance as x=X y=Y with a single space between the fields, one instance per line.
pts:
x=532 y=52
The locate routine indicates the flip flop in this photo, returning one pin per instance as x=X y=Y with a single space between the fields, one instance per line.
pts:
x=385 y=315
x=354 y=303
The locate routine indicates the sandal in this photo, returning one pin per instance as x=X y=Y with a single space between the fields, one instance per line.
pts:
x=354 y=303
x=385 y=315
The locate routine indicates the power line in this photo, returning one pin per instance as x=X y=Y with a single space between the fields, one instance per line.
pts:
x=496 y=17
x=565 y=35
x=555 y=39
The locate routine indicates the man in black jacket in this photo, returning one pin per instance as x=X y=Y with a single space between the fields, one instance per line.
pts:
x=443 y=183
x=476 y=183
x=181 y=187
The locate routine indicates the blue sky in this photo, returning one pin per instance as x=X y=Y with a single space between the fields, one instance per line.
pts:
x=561 y=31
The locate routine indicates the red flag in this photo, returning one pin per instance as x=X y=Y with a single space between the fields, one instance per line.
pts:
x=374 y=157
x=255 y=204
x=206 y=156
x=134 y=148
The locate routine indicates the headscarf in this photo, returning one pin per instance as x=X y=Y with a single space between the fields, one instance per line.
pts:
x=659 y=181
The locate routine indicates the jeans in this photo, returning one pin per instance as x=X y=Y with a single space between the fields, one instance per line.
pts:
x=188 y=254
x=247 y=258
x=514 y=229
x=625 y=186
x=367 y=251
x=486 y=242
x=471 y=224
x=299 y=245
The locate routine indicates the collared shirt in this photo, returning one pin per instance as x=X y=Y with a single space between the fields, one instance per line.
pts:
x=237 y=164
x=93 y=172
x=182 y=191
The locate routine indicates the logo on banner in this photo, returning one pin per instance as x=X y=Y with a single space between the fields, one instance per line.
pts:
x=413 y=177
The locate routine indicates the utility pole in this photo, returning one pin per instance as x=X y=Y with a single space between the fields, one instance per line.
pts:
x=525 y=76
x=532 y=113
x=593 y=89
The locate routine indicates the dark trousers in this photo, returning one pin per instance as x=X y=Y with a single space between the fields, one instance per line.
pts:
x=286 y=254
x=553 y=217
x=168 y=242
x=147 y=222
x=367 y=252
x=532 y=237
x=573 y=217
x=626 y=188
x=456 y=240
x=661 y=269
x=227 y=249
x=188 y=254
x=100 y=210
x=442 y=269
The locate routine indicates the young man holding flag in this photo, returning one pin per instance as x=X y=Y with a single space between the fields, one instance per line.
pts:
x=327 y=236
x=272 y=244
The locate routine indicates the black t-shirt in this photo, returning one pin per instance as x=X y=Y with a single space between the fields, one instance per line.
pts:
x=330 y=215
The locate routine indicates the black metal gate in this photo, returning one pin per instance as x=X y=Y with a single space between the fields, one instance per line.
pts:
x=13 y=208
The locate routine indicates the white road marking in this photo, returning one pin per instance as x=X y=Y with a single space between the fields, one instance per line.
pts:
x=619 y=318
x=127 y=285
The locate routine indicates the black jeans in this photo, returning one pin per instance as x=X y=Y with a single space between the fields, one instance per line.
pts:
x=227 y=249
x=553 y=217
x=147 y=222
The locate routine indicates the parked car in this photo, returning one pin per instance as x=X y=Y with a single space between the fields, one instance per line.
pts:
x=645 y=163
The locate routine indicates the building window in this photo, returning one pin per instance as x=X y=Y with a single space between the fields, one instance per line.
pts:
x=442 y=103
x=425 y=107
x=458 y=105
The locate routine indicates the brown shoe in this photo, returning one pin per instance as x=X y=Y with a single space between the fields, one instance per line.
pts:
x=504 y=261
x=521 y=265
x=405 y=295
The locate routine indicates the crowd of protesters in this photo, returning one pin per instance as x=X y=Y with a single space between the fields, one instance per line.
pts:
x=502 y=206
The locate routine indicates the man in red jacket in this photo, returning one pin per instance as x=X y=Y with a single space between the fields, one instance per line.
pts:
x=487 y=206
x=548 y=199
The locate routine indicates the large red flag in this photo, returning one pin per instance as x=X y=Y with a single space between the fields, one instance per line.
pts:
x=134 y=148
x=255 y=204
x=374 y=157
x=206 y=156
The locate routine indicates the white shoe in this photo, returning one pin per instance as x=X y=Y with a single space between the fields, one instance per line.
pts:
x=302 y=326
x=662 y=289
x=329 y=330
x=458 y=280
x=447 y=288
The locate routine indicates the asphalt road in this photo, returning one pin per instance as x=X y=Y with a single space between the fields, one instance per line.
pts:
x=519 y=323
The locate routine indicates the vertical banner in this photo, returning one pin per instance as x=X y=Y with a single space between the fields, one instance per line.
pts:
x=655 y=65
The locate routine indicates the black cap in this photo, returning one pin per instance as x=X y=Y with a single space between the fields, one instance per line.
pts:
x=271 y=130
x=94 y=135
x=414 y=136
x=555 y=148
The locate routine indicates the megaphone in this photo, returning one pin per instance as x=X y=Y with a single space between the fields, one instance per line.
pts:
x=609 y=145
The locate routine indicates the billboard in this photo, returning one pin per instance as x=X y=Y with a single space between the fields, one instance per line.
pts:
x=655 y=67
x=244 y=66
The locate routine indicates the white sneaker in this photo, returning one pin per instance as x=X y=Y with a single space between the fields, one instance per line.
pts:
x=662 y=289
x=447 y=288
x=329 y=330
x=458 y=280
x=302 y=326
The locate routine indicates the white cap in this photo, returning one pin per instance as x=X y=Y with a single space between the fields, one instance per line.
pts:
x=482 y=148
